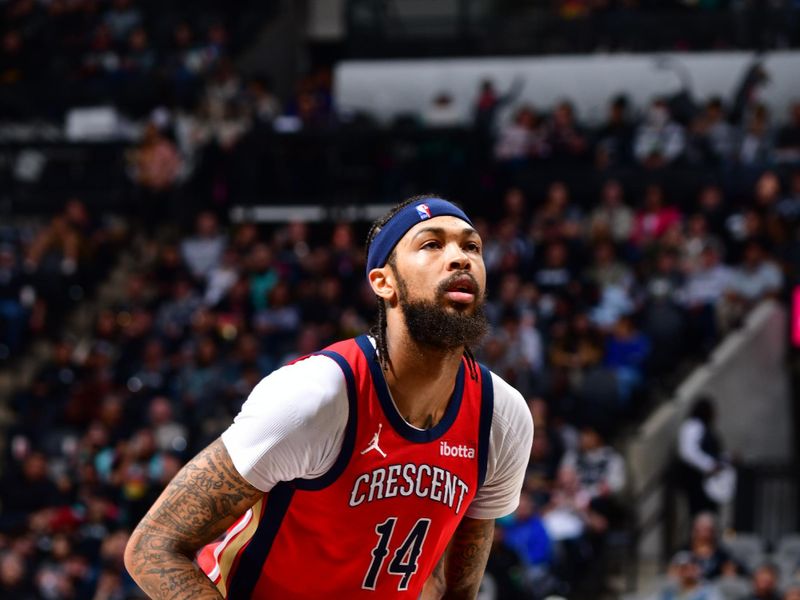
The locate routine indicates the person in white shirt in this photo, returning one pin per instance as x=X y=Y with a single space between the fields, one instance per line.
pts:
x=699 y=455
x=659 y=140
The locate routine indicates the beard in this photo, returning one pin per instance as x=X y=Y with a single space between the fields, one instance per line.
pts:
x=429 y=323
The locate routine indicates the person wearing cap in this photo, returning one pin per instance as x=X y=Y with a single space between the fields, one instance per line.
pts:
x=373 y=468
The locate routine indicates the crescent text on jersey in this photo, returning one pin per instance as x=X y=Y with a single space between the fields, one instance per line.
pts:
x=424 y=481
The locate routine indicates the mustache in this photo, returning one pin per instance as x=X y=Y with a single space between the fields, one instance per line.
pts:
x=443 y=287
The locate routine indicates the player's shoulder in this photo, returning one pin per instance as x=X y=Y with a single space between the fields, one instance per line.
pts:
x=511 y=412
x=310 y=383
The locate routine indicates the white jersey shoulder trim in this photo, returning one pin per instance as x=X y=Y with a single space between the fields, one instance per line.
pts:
x=292 y=424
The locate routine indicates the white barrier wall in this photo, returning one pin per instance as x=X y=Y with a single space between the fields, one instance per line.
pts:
x=387 y=88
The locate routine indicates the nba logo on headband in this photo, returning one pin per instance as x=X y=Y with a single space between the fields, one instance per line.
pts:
x=404 y=219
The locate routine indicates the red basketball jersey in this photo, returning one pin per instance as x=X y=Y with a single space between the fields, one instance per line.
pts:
x=376 y=524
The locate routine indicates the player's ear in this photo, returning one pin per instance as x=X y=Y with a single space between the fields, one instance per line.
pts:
x=382 y=282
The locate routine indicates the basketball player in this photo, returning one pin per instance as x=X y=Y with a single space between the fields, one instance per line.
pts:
x=372 y=469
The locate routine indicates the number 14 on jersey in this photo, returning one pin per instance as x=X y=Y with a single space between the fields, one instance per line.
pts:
x=405 y=560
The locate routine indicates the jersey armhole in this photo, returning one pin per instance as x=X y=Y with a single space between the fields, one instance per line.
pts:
x=485 y=426
x=349 y=441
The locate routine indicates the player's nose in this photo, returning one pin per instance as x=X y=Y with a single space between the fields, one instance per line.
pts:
x=457 y=258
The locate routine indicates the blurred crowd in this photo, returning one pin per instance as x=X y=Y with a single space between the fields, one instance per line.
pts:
x=711 y=566
x=671 y=132
x=590 y=310
x=601 y=288
x=132 y=54
x=47 y=268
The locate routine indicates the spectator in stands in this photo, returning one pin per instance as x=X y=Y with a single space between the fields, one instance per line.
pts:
x=176 y=314
x=443 y=112
x=756 y=145
x=565 y=138
x=715 y=138
x=612 y=217
x=654 y=219
x=223 y=90
x=614 y=140
x=278 y=323
x=606 y=270
x=27 y=488
x=707 y=550
x=489 y=103
x=765 y=583
x=222 y=278
x=666 y=279
x=263 y=275
x=169 y=434
x=756 y=278
x=526 y=534
x=122 y=18
x=16 y=581
x=685 y=581
x=504 y=571
x=787 y=143
x=554 y=274
x=56 y=249
x=557 y=213
x=522 y=359
x=700 y=455
x=767 y=193
x=203 y=251
x=600 y=472
x=659 y=141
x=15 y=71
x=711 y=204
x=16 y=299
x=788 y=208
x=702 y=292
x=507 y=252
x=574 y=348
x=521 y=139
x=101 y=62
x=186 y=64
x=264 y=104
x=626 y=351
x=156 y=165
x=582 y=505
x=696 y=238
x=792 y=592
x=546 y=454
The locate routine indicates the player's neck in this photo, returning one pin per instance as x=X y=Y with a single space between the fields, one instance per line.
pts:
x=421 y=379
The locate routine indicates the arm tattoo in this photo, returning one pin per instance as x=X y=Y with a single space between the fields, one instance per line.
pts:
x=466 y=558
x=198 y=505
x=435 y=585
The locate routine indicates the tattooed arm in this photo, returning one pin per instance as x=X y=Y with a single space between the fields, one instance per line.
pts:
x=458 y=574
x=435 y=585
x=198 y=505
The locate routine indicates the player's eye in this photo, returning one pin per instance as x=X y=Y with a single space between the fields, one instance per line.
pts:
x=431 y=245
x=472 y=247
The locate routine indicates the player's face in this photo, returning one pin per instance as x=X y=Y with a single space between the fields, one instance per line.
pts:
x=441 y=260
x=438 y=280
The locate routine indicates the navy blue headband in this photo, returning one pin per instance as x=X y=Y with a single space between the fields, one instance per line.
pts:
x=391 y=233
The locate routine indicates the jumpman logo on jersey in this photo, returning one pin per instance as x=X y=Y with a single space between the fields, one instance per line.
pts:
x=373 y=445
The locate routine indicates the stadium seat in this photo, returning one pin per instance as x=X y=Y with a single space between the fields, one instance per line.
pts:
x=747 y=548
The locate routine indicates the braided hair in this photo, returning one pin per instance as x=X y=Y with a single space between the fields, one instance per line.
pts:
x=378 y=331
